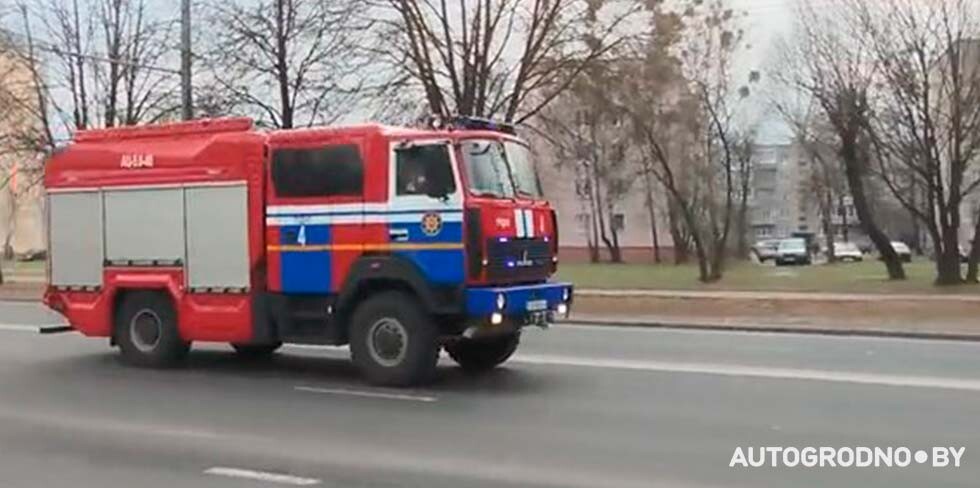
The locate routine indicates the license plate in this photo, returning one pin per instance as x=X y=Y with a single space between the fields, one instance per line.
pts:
x=537 y=305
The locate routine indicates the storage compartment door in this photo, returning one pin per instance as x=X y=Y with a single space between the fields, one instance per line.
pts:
x=217 y=237
x=75 y=232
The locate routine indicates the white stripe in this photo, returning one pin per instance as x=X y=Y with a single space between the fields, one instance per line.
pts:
x=360 y=207
x=309 y=209
x=283 y=479
x=368 y=394
x=411 y=218
x=761 y=372
x=519 y=223
x=20 y=327
x=529 y=222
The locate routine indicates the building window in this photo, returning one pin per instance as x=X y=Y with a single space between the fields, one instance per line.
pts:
x=329 y=171
x=618 y=222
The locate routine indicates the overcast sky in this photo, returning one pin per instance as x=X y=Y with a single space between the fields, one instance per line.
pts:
x=767 y=20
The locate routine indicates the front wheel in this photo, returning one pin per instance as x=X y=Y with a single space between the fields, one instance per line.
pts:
x=393 y=341
x=483 y=355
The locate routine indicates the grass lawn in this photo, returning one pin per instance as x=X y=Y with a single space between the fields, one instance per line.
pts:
x=23 y=267
x=865 y=277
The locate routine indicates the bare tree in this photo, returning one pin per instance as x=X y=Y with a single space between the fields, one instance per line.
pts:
x=823 y=182
x=703 y=182
x=745 y=160
x=289 y=62
x=829 y=63
x=588 y=130
x=926 y=128
x=501 y=58
x=96 y=63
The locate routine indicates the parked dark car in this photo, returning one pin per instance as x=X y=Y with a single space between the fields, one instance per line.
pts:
x=793 y=251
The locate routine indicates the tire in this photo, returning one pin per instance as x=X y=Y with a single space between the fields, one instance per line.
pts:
x=393 y=341
x=256 y=351
x=146 y=330
x=477 y=356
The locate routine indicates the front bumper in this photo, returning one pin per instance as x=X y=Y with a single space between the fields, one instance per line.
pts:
x=793 y=258
x=521 y=304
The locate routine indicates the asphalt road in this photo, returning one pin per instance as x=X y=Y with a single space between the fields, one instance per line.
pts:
x=579 y=407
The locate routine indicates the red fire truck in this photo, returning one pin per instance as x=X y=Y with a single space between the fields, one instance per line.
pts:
x=396 y=241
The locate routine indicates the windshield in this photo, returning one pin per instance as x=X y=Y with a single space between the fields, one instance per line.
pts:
x=486 y=168
x=792 y=245
x=522 y=169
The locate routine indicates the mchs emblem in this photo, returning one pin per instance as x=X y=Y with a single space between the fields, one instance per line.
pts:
x=431 y=224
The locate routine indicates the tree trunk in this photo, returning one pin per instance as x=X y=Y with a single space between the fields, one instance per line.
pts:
x=855 y=182
x=717 y=263
x=652 y=212
x=972 y=267
x=282 y=67
x=594 y=239
x=827 y=215
x=682 y=250
x=948 y=259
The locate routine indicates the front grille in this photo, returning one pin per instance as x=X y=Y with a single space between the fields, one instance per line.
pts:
x=518 y=260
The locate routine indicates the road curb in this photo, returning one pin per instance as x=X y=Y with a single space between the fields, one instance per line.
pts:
x=20 y=299
x=779 y=329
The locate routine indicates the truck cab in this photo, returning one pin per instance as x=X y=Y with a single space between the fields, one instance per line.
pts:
x=396 y=241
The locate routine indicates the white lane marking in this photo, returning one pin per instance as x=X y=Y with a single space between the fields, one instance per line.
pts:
x=284 y=479
x=21 y=327
x=368 y=394
x=760 y=372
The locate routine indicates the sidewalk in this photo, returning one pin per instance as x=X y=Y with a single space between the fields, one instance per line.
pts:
x=935 y=329
x=926 y=315
x=780 y=295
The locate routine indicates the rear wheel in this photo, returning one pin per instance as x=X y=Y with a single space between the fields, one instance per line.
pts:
x=146 y=330
x=393 y=341
x=256 y=351
x=484 y=354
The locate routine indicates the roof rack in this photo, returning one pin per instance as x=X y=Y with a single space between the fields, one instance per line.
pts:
x=201 y=126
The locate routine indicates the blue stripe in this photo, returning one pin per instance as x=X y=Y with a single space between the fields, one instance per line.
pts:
x=306 y=272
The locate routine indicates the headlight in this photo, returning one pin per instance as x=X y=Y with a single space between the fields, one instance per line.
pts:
x=501 y=301
x=566 y=294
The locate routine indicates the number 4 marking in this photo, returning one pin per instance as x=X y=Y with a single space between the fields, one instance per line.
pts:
x=301 y=237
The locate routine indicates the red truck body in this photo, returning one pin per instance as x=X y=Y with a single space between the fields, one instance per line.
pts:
x=258 y=238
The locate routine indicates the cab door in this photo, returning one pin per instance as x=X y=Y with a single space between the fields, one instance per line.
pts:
x=315 y=198
x=425 y=209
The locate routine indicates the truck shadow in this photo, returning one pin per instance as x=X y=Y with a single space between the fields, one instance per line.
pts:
x=332 y=370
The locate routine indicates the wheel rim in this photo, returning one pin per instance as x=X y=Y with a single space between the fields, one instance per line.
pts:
x=387 y=342
x=146 y=329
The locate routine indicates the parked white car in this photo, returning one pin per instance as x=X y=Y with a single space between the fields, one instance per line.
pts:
x=766 y=249
x=847 y=251
x=903 y=251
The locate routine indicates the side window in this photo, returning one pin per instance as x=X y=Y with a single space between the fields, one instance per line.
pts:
x=424 y=170
x=329 y=171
